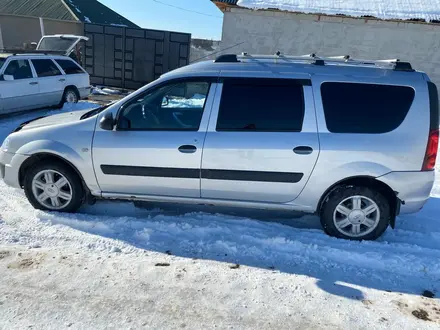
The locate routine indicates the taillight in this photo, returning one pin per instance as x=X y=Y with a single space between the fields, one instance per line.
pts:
x=431 y=151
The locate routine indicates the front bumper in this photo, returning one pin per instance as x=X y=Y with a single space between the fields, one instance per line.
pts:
x=10 y=165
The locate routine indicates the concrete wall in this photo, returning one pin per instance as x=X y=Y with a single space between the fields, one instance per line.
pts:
x=17 y=31
x=265 y=32
x=62 y=27
x=201 y=50
x=20 y=31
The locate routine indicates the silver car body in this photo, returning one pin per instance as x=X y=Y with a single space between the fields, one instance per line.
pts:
x=393 y=158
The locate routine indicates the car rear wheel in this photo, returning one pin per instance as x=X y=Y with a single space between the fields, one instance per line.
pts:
x=53 y=187
x=356 y=213
x=70 y=96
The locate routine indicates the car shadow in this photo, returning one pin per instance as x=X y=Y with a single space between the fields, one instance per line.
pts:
x=405 y=260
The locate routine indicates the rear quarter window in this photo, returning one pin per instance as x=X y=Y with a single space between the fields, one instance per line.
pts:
x=69 y=67
x=365 y=108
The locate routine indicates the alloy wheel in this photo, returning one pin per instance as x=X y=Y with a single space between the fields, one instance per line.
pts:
x=52 y=189
x=356 y=216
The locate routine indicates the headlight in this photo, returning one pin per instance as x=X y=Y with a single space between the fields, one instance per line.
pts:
x=5 y=145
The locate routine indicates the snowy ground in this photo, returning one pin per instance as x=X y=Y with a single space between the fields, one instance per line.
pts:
x=113 y=266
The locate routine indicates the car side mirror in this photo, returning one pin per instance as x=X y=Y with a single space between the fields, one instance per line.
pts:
x=8 y=77
x=165 y=101
x=107 y=122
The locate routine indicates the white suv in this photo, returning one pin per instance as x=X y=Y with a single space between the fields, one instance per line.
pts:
x=42 y=79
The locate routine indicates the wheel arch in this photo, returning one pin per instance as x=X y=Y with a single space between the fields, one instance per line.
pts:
x=73 y=87
x=369 y=182
x=46 y=156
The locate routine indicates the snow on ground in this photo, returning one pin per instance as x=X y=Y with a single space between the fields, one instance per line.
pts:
x=113 y=266
x=385 y=9
x=196 y=101
x=100 y=90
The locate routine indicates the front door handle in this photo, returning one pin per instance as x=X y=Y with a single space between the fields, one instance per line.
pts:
x=33 y=83
x=187 y=149
x=303 y=150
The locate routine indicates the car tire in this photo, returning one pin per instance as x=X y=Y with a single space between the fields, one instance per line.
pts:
x=45 y=189
x=355 y=213
x=70 y=95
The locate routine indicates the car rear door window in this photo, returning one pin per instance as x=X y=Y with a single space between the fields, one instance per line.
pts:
x=19 y=69
x=365 y=108
x=261 y=105
x=69 y=67
x=45 y=68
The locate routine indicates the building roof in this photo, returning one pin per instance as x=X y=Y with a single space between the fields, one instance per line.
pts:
x=55 y=9
x=87 y=11
x=92 y=11
x=426 y=10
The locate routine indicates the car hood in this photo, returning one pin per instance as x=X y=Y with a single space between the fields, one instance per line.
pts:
x=62 y=118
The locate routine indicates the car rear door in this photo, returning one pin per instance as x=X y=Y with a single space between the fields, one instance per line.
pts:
x=262 y=141
x=21 y=92
x=51 y=81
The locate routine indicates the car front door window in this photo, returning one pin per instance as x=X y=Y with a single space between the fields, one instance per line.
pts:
x=19 y=69
x=175 y=106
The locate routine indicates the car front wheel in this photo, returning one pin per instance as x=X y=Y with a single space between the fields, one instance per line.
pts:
x=53 y=187
x=356 y=213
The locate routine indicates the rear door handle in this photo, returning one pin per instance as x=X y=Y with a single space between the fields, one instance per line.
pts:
x=187 y=149
x=303 y=150
x=33 y=83
x=62 y=79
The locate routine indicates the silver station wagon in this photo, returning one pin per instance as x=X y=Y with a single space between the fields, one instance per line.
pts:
x=352 y=141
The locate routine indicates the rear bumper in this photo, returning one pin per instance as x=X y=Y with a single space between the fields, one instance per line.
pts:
x=10 y=166
x=412 y=188
x=84 y=92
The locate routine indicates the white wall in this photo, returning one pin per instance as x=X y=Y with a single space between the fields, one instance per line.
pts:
x=265 y=32
x=203 y=50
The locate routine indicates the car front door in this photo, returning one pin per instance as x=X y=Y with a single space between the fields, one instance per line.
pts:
x=156 y=146
x=262 y=141
x=18 y=87
x=51 y=81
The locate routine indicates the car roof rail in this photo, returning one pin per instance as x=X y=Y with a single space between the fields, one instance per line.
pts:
x=394 y=64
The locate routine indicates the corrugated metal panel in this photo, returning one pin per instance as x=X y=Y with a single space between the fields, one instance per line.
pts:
x=39 y=8
x=87 y=11
x=231 y=2
x=92 y=11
